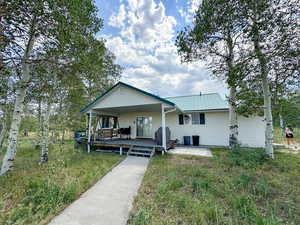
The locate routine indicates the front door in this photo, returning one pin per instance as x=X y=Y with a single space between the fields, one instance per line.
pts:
x=143 y=127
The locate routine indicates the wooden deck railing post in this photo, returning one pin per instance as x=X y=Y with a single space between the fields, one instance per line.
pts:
x=89 y=132
x=163 y=126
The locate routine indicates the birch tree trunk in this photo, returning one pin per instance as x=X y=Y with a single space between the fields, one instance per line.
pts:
x=232 y=80
x=45 y=134
x=266 y=92
x=281 y=124
x=3 y=132
x=233 y=126
x=268 y=117
x=10 y=154
x=40 y=126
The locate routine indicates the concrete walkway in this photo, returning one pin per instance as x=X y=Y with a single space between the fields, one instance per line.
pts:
x=110 y=200
x=196 y=151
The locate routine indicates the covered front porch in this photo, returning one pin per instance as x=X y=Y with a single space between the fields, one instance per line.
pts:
x=128 y=116
x=128 y=126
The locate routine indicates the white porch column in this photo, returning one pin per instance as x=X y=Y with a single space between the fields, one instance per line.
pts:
x=89 y=132
x=163 y=126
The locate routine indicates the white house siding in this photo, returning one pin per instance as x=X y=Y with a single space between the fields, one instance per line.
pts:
x=216 y=131
x=252 y=131
x=129 y=119
x=124 y=96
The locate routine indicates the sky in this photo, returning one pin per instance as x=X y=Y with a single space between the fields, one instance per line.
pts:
x=142 y=33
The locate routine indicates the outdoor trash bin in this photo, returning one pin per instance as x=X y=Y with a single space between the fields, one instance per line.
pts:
x=186 y=140
x=196 y=140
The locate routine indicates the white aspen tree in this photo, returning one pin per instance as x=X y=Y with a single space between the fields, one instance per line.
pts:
x=45 y=133
x=40 y=124
x=3 y=131
x=233 y=119
x=281 y=124
x=10 y=154
x=266 y=90
x=232 y=83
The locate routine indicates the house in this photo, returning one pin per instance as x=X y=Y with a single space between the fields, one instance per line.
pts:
x=140 y=115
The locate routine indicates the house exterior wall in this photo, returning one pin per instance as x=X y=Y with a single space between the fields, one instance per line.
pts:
x=215 y=131
x=124 y=96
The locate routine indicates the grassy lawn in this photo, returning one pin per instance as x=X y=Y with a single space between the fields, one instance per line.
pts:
x=228 y=189
x=33 y=194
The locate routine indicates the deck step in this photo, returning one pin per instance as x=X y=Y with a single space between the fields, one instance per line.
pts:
x=146 y=151
x=140 y=153
x=143 y=149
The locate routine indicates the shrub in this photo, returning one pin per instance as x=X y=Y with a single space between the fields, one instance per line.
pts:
x=247 y=158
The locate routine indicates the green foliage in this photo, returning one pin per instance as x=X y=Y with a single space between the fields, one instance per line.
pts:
x=247 y=158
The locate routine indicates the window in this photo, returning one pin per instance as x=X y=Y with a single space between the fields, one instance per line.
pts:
x=195 y=118
x=105 y=122
x=109 y=122
x=198 y=118
x=202 y=118
x=180 y=117
x=184 y=119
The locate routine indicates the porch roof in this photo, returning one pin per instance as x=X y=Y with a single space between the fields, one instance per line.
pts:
x=133 y=108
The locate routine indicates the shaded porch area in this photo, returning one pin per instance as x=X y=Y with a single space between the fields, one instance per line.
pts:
x=128 y=127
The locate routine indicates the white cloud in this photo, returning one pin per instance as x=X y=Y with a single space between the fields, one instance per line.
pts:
x=117 y=20
x=188 y=13
x=145 y=46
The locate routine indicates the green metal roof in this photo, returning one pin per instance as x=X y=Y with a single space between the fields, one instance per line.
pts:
x=200 y=102
x=88 y=106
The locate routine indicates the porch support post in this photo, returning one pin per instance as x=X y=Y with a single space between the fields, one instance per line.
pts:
x=121 y=150
x=89 y=132
x=163 y=126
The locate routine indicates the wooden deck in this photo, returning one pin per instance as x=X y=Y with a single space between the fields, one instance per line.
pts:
x=125 y=143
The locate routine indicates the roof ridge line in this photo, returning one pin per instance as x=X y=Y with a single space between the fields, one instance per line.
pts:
x=193 y=95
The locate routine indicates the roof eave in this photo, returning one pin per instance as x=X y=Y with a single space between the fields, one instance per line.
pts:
x=207 y=110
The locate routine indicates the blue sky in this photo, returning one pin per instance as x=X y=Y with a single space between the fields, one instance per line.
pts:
x=141 y=34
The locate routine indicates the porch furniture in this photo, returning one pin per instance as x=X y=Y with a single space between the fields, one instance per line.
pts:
x=171 y=144
x=107 y=133
x=158 y=136
x=125 y=131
